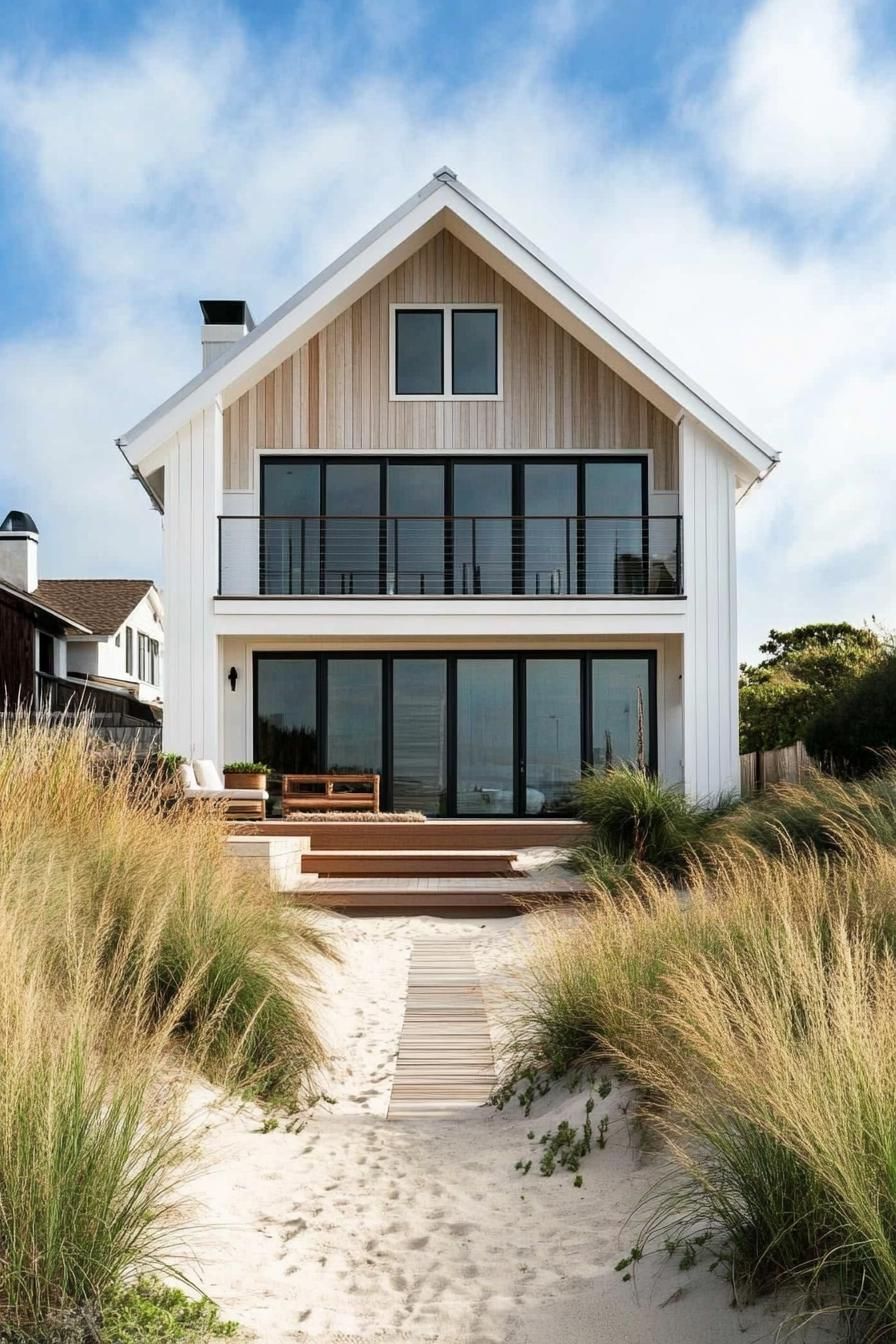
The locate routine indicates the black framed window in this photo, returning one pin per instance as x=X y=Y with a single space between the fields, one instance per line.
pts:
x=419 y=352
x=46 y=653
x=446 y=350
x=474 y=352
x=129 y=651
x=458 y=734
x=545 y=526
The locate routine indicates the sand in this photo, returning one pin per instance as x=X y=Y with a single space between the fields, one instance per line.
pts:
x=358 y=1228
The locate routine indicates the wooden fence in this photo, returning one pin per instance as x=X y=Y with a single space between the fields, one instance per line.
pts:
x=785 y=765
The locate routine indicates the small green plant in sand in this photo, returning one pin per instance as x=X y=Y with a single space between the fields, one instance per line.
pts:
x=152 y=1312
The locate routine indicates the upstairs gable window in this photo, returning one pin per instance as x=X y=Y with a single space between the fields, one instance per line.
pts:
x=446 y=352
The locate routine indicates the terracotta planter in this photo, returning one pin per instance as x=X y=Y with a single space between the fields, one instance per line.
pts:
x=241 y=781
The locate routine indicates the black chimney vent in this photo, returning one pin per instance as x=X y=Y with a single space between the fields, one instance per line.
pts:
x=226 y=313
x=17 y=521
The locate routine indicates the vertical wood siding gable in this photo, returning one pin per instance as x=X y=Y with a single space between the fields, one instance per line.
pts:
x=332 y=395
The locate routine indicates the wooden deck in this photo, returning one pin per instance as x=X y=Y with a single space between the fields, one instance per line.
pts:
x=455 y=834
x=445 y=894
x=445 y=1060
x=409 y=862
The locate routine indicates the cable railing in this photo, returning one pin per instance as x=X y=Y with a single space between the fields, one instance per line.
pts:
x=459 y=556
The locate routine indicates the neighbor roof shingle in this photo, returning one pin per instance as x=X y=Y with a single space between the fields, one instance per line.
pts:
x=101 y=604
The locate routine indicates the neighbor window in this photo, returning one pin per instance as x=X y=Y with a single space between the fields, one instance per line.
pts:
x=148 y=659
x=445 y=351
x=129 y=651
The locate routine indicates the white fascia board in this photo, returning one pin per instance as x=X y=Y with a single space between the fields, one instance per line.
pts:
x=313 y=306
x=445 y=201
x=618 y=344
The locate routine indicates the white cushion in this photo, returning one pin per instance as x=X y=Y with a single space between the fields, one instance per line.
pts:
x=186 y=775
x=257 y=795
x=208 y=775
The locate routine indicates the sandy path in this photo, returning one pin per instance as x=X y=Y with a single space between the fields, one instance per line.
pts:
x=359 y=1228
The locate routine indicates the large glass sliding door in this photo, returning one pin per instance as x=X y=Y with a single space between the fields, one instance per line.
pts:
x=286 y=735
x=416 y=527
x=290 y=531
x=553 y=732
x=615 y=549
x=458 y=734
x=486 y=745
x=420 y=735
x=550 y=506
x=352 y=541
x=622 y=710
x=483 y=527
x=354 y=728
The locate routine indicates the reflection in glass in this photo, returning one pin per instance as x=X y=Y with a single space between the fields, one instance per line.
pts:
x=419 y=742
x=483 y=551
x=286 y=724
x=615 y=548
x=485 y=755
x=474 y=352
x=352 y=542
x=290 y=546
x=419 y=352
x=416 y=532
x=355 y=715
x=550 y=565
x=621 y=711
x=553 y=732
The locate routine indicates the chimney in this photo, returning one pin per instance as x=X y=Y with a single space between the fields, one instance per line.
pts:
x=225 y=321
x=18 y=551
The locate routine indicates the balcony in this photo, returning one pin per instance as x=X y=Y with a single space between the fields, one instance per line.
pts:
x=465 y=556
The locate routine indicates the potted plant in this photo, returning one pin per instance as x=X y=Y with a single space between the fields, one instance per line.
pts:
x=246 y=775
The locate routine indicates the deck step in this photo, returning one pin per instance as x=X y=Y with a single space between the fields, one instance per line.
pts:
x=409 y=862
x=410 y=894
x=450 y=833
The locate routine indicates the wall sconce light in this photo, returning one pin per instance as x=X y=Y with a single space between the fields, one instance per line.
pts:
x=231 y=677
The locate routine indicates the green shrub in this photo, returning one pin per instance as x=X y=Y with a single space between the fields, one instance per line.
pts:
x=247 y=768
x=635 y=818
x=152 y=1312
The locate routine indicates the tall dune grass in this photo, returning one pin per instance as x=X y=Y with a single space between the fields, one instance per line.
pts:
x=89 y=854
x=129 y=943
x=759 y=1016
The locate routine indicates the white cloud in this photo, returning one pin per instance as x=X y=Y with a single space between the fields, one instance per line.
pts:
x=192 y=165
x=802 y=107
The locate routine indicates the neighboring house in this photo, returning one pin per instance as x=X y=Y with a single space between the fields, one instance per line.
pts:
x=444 y=516
x=59 y=637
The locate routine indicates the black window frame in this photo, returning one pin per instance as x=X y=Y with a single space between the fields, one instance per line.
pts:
x=517 y=463
x=585 y=658
x=128 y=651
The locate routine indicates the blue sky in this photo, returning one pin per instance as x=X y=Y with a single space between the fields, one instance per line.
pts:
x=719 y=171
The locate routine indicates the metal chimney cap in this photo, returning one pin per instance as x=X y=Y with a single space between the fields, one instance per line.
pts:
x=226 y=313
x=17 y=521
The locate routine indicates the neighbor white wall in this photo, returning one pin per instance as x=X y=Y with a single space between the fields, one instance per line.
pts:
x=709 y=673
x=193 y=466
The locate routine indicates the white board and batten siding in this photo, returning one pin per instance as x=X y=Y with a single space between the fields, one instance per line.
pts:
x=193 y=497
x=709 y=674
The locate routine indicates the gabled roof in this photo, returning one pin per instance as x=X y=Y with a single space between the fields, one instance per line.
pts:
x=100 y=605
x=446 y=203
x=33 y=600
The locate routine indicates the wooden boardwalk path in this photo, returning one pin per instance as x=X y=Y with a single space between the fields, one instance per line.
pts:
x=445 y=1059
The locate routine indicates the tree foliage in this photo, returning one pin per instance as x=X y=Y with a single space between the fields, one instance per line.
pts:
x=805 y=672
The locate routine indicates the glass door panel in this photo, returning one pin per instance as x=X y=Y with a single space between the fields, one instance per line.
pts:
x=615 y=554
x=486 y=764
x=352 y=541
x=416 y=528
x=419 y=735
x=354 y=716
x=550 y=541
x=483 y=542
x=553 y=733
x=621 y=709
x=290 y=545
x=286 y=715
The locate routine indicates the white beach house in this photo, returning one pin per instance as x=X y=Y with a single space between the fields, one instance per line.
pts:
x=444 y=517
